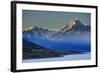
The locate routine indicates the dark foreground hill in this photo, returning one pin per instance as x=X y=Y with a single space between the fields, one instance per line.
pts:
x=34 y=51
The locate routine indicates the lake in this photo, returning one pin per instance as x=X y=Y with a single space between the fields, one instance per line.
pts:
x=85 y=56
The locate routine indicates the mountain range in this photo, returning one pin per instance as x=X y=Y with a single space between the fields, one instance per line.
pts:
x=71 y=26
x=73 y=38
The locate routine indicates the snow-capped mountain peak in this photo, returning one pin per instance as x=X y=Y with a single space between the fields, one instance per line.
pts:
x=75 y=25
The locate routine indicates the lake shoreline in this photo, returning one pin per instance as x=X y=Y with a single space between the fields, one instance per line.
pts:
x=85 y=56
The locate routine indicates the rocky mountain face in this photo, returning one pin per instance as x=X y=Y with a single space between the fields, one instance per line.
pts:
x=75 y=26
x=68 y=27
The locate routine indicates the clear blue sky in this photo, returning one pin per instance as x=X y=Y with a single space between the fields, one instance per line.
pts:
x=51 y=20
